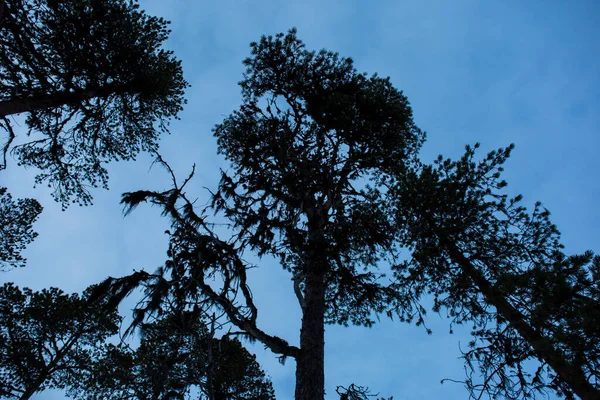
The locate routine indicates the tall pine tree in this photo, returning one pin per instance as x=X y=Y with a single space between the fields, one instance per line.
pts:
x=309 y=149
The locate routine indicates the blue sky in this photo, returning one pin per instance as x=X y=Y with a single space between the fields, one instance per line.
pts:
x=495 y=72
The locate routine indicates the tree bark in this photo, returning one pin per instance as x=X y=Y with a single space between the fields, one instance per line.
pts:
x=570 y=374
x=37 y=102
x=310 y=362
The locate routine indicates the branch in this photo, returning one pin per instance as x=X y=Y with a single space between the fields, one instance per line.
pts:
x=227 y=258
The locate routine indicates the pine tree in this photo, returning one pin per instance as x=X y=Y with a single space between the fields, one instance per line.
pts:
x=94 y=83
x=489 y=262
x=310 y=148
x=48 y=338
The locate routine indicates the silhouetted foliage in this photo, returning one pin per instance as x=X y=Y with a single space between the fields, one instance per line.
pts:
x=490 y=263
x=94 y=82
x=16 y=228
x=47 y=339
x=176 y=355
x=355 y=392
x=310 y=134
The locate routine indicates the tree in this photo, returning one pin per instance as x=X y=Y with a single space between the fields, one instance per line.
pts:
x=95 y=85
x=489 y=262
x=47 y=338
x=16 y=232
x=309 y=149
x=177 y=353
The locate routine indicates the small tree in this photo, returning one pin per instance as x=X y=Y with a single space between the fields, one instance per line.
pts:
x=95 y=85
x=177 y=353
x=489 y=262
x=47 y=338
x=309 y=136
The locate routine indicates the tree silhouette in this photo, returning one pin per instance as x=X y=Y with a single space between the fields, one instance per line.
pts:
x=95 y=85
x=324 y=178
x=309 y=149
x=489 y=262
x=47 y=338
x=177 y=353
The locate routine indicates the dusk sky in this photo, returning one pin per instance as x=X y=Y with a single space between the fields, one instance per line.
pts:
x=492 y=71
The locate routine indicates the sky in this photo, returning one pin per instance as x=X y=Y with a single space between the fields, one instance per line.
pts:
x=494 y=72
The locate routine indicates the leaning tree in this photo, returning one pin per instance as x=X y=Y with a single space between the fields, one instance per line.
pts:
x=309 y=148
x=491 y=263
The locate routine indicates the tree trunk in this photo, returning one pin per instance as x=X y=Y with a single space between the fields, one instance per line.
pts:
x=570 y=374
x=37 y=102
x=310 y=362
x=29 y=391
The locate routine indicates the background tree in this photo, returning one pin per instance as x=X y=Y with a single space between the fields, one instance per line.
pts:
x=309 y=136
x=47 y=338
x=94 y=82
x=16 y=231
x=176 y=355
x=489 y=262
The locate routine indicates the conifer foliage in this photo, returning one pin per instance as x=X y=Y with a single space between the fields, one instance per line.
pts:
x=48 y=339
x=491 y=263
x=177 y=356
x=16 y=228
x=94 y=83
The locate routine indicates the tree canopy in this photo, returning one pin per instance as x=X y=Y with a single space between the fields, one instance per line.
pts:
x=177 y=356
x=309 y=135
x=323 y=177
x=16 y=228
x=95 y=83
x=48 y=338
x=490 y=262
